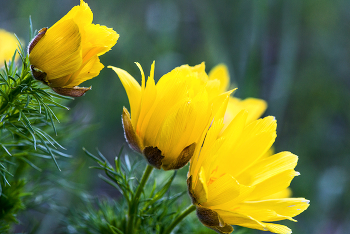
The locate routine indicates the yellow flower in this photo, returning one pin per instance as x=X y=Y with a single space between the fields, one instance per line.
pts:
x=168 y=118
x=8 y=45
x=66 y=54
x=255 y=107
x=232 y=181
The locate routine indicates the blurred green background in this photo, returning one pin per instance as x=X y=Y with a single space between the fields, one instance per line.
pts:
x=294 y=54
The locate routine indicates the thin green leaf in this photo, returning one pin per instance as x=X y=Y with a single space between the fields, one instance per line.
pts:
x=2 y=145
x=30 y=163
x=49 y=149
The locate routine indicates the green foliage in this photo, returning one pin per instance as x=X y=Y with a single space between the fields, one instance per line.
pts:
x=27 y=133
x=10 y=204
x=26 y=110
x=151 y=211
x=104 y=219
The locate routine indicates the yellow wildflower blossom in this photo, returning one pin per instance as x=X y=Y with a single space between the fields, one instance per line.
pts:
x=67 y=54
x=232 y=182
x=8 y=45
x=168 y=118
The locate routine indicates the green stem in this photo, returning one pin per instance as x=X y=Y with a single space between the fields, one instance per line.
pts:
x=179 y=218
x=135 y=201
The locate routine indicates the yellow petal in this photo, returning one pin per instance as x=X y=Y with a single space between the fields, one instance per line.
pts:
x=227 y=140
x=143 y=81
x=258 y=213
x=222 y=190
x=213 y=87
x=200 y=189
x=236 y=126
x=174 y=76
x=133 y=90
x=268 y=153
x=199 y=156
x=188 y=77
x=169 y=97
x=200 y=70
x=268 y=167
x=172 y=129
x=249 y=222
x=234 y=218
x=99 y=40
x=98 y=36
x=58 y=53
x=272 y=185
x=148 y=99
x=220 y=72
x=219 y=100
x=286 y=207
x=183 y=125
x=267 y=124
x=82 y=15
x=202 y=152
x=90 y=70
x=281 y=194
x=151 y=73
x=197 y=120
x=202 y=116
x=231 y=203
x=278 y=228
x=255 y=107
x=233 y=133
x=254 y=141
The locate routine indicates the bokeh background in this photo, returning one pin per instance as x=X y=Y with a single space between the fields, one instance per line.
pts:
x=294 y=54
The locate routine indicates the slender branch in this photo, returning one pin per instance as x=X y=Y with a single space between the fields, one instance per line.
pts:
x=135 y=201
x=179 y=218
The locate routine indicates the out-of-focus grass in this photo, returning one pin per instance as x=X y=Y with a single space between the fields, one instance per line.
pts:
x=295 y=54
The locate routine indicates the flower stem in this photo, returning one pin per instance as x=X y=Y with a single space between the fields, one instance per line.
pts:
x=179 y=218
x=135 y=201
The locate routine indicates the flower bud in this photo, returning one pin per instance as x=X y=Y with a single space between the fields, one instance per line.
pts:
x=67 y=54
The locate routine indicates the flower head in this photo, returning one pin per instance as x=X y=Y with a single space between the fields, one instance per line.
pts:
x=232 y=181
x=67 y=54
x=168 y=118
x=8 y=45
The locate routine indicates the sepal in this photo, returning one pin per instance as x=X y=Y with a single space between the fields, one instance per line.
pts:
x=39 y=74
x=184 y=157
x=76 y=91
x=212 y=219
x=131 y=137
x=36 y=39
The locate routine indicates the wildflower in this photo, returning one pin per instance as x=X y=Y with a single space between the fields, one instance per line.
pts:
x=168 y=118
x=8 y=45
x=67 y=54
x=232 y=181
